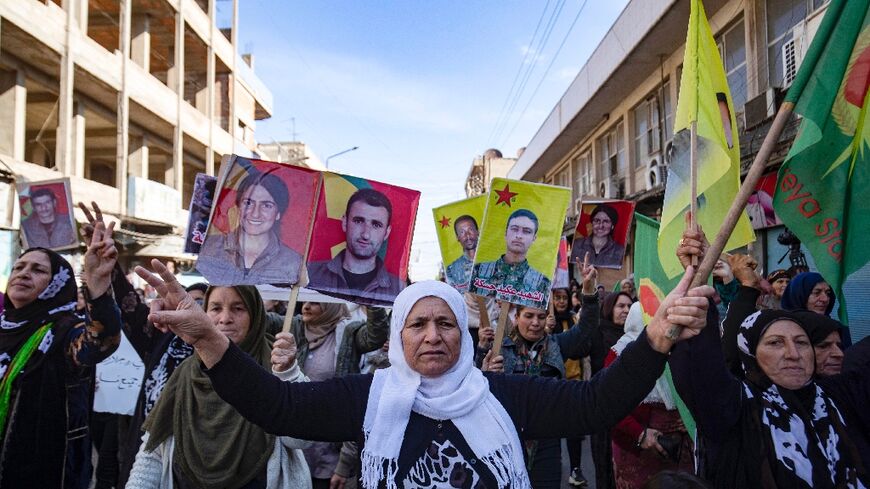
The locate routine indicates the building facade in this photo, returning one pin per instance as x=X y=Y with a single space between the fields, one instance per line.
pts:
x=491 y=164
x=130 y=99
x=610 y=133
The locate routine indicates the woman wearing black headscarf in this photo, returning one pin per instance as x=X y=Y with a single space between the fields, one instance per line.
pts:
x=47 y=355
x=779 y=427
x=195 y=439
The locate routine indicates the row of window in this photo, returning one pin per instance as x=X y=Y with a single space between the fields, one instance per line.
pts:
x=653 y=118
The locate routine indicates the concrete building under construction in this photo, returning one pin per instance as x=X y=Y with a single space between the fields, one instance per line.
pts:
x=130 y=99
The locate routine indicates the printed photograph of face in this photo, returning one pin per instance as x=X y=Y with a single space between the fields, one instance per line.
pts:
x=355 y=249
x=519 y=240
x=457 y=226
x=602 y=231
x=201 y=202
x=46 y=215
x=254 y=237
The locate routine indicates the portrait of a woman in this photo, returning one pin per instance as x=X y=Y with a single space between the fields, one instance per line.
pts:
x=603 y=250
x=252 y=253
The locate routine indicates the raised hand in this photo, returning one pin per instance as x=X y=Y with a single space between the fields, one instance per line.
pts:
x=743 y=267
x=283 y=352
x=589 y=274
x=693 y=243
x=87 y=230
x=485 y=336
x=681 y=315
x=100 y=259
x=493 y=363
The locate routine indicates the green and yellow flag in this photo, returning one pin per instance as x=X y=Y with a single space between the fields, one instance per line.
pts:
x=821 y=193
x=704 y=101
x=653 y=285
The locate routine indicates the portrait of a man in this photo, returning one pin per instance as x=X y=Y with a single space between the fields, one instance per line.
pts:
x=511 y=276
x=459 y=272
x=358 y=269
x=47 y=226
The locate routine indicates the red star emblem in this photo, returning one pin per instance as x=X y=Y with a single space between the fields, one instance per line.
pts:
x=445 y=222
x=505 y=195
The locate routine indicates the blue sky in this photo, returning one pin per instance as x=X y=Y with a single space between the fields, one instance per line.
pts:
x=418 y=86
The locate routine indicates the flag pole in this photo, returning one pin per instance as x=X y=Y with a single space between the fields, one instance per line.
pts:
x=759 y=164
x=693 y=176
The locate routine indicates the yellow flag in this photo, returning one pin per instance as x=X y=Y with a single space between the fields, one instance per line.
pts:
x=705 y=101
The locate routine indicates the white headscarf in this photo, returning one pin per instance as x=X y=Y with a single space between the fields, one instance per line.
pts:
x=633 y=326
x=460 y=395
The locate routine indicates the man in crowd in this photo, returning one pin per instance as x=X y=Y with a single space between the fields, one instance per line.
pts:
x=459 y=272
x=366 y=224
x=44 y=227
x=512 y=269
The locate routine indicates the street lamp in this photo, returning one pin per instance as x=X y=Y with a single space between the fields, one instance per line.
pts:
x=339 y=154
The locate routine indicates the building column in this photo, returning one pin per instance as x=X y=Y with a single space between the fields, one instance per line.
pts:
x=210 y=88
x=139 y=157
x=80 y=14
x=123 y=107
x=174 y=171
x=233 y=84
x=13 y=114
x=78 y=138
x=64 y=144
x=140 y=44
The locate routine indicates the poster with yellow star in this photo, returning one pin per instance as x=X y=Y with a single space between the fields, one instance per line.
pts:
x=519 y=242
x=457 y=225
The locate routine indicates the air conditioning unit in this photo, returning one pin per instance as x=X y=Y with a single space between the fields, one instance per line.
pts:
x=792 y=53
x=669 y=152
x=654 y=174
x=607 y=189
x=761 y=108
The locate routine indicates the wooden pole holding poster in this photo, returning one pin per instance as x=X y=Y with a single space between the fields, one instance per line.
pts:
x=303 y=268
x=484 y=311
x=500 y=328
x=693 y=172
x=291 y=307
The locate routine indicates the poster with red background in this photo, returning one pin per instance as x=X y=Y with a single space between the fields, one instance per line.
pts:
x=328 y=239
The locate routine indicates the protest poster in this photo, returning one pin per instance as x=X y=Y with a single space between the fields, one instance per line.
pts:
x=47 y=214
x=458 y=226
x=759 y=207
x=519 y=242
x=560 y=279
x=260 y=225
x=602 y=231
x=361 y=242
x=118 y=379
x=201 y=201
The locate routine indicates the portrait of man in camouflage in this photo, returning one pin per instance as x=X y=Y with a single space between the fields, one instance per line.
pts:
x=511 y=276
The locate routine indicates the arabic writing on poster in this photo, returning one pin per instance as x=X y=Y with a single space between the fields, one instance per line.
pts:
x=118 y=380
x=509 y=290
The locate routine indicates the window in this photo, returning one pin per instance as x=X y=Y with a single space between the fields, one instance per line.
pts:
x=583 y=175
x=732 y=45
x=782 y=17
x=648 y=122
x=612 y=161
x=563 y=178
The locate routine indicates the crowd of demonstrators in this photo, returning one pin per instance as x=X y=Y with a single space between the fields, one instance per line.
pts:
x=773 y=408
x=193 y=437
x=421 y=418
x=534 y=349
x=653 y=437
x=330 y=344
x=47 y=359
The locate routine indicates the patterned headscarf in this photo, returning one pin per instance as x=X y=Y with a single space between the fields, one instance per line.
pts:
x=805 y=439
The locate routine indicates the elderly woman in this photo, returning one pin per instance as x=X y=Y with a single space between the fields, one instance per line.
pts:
x=603 y=250
x=195 y=439
x=47 y=359
x=331 y=344
x=253 y=253
x=532 y=350
x=652 y=438
x=778 y=280
x=778 y=427
x=432 y=418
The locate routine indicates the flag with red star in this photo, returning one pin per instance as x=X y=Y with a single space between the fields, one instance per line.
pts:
x=519 y=242
x=457 y=227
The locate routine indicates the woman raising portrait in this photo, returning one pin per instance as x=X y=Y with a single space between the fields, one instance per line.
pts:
x=253 y=253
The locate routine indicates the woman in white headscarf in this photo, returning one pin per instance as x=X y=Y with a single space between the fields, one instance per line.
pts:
x=653 y=437
x=431 y=418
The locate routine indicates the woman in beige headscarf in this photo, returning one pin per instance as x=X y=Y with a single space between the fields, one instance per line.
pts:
x=330 y=344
